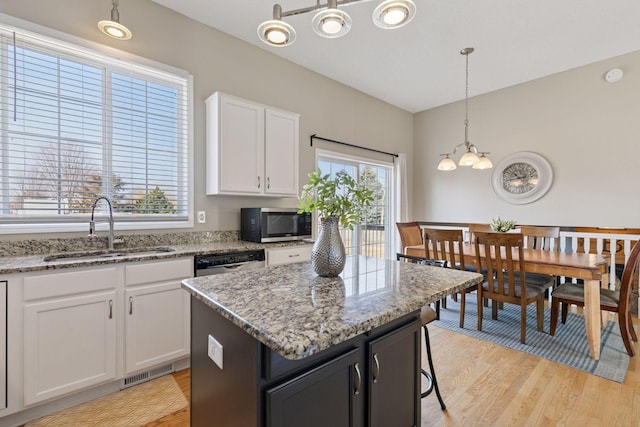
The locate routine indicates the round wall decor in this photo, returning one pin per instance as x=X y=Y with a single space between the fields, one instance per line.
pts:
x=522 y=177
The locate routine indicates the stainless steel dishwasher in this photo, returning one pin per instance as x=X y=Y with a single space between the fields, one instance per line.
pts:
x=227 y=262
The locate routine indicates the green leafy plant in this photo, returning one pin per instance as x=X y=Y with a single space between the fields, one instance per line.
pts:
x=502 y=225
x=339 y=197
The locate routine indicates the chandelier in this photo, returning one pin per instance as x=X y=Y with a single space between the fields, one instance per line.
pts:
x=472 y=156
x=331 y=22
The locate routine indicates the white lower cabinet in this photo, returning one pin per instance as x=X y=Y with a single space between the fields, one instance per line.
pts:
x=3 y=344
x=69 y=339
x=157 y=315
x=288 y=255
x=75 y=324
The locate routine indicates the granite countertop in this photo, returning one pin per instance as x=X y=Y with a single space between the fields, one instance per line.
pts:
x=297 y=313
x=28 y=263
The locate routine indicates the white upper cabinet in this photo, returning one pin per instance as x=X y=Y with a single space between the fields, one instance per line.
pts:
x=252 y=149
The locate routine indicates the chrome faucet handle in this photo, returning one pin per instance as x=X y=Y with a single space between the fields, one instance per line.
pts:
x=92 y=229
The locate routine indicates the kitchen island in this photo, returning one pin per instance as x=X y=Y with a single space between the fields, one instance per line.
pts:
x=299 y=349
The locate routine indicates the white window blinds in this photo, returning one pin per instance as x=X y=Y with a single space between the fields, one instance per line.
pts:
x=77 y=124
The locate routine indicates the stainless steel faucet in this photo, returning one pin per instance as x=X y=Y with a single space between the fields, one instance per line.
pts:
x=92 y=224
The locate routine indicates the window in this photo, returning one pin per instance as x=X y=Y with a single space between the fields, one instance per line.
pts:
x=372 y=236
x=77 y=124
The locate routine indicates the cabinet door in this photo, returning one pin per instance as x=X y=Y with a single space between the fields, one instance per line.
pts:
x=69 y=344
x=329 y=395
x=394 y=380
x=281 y=152
x=157 y=325
x=235 y=146
x=3 y=344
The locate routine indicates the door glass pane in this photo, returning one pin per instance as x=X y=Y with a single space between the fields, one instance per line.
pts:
x=371 y=237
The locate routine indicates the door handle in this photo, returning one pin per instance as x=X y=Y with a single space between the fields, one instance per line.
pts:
x=110 y=309
x=376 y=368
x=130 y=305
x=258 y=182
x=358 y=379
x=268 y=183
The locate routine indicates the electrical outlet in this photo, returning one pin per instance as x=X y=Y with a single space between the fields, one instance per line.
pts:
x=202 y=217
x=215 y=351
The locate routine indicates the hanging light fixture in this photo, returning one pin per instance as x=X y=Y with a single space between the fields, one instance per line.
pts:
x=472 y=157
x=276 y=32
x=114 y=28
x=394 y=13
x=331 y=22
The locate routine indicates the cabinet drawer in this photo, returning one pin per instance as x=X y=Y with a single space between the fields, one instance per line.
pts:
x=288 y=255
x=75 y=282
x=159 y=271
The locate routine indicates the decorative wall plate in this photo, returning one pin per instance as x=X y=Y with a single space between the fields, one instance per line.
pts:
x=522 y=177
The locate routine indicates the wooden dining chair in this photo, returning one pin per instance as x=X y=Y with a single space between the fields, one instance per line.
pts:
x=539 y=237
x=474 y=228
x=544 y=239
x=502 y=255
x=445 y=244
x=410 y=234
x=610 y=300
x=427 y=315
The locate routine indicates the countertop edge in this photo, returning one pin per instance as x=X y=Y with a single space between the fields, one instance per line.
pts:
x=293 y=352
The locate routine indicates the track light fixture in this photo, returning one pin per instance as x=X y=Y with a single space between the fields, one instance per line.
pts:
x=331 y=22
x=114 y=28
x=472 y=157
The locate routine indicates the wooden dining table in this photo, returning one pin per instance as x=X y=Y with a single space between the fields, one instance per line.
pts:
x=591 y=268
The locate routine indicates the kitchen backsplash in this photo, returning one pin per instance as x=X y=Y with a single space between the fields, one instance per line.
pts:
x=46 y=246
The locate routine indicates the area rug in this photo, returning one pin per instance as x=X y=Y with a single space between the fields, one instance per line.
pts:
x=568 y=346
x=134 y=406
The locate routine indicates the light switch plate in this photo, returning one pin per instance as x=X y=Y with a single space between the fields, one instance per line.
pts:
x=215 y=351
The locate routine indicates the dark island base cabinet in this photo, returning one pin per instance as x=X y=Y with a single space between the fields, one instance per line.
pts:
x=371 y=380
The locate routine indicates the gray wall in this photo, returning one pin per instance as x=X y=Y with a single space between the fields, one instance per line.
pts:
x=574 y=119
x=220 y=62
x=588 y=129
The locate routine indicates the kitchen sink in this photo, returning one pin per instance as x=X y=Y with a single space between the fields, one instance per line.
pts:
x=102 y=254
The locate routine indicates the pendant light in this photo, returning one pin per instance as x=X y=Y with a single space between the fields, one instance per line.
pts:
x=114 y=28
x=472 y=157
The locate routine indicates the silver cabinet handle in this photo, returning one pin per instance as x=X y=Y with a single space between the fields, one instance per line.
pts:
x=258 y=182
x=130 y=305
x=268 y=183
x=294 y=255
x=110 y=309
x=358 y=381
x=376 y=367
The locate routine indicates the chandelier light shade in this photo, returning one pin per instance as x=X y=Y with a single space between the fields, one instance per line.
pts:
x=276 y=32
x=394 y=13
x=331 y=22
x=472 y=157
x=114 y=28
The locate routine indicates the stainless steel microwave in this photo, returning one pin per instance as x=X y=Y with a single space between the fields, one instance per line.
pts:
x=265 y=225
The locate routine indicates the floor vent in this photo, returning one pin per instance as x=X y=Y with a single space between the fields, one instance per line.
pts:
x=146 y=376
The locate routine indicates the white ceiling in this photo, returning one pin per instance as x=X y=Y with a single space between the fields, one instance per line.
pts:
x=419 y=66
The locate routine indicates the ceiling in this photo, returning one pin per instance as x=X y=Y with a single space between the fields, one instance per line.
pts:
x=419 y=66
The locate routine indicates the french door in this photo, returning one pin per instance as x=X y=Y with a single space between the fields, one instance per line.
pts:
x=372 y=235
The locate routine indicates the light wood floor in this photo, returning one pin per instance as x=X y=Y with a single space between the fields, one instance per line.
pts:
x=485 y=384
